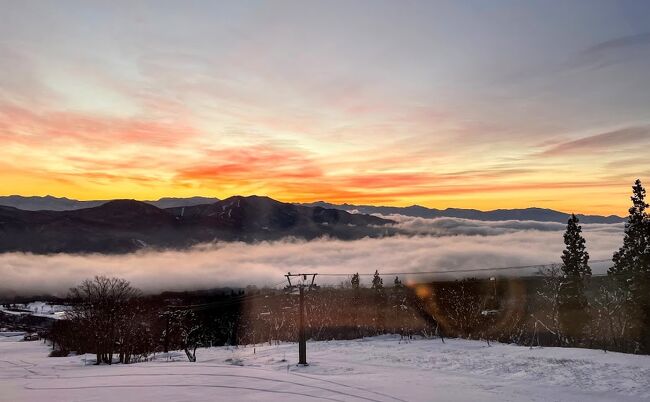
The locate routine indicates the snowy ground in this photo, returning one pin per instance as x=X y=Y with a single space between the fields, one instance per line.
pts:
x=38 y=309
x=376 y=369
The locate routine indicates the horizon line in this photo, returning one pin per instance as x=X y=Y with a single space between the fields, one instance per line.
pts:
x=311 y=202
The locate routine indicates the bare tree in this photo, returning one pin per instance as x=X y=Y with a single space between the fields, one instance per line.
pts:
x=101 y=310
x=188 y=332
x=611 y=323
x=549 y=294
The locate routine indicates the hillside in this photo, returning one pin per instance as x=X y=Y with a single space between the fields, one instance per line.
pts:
x=122 y=226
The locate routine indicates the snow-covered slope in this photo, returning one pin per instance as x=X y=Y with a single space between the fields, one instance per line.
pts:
x=376 y=369
x=38 y=309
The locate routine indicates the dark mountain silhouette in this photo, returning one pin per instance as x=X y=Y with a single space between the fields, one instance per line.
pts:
x=527 y=214
x=49 y=203
x=122 y=226
x=171 y=202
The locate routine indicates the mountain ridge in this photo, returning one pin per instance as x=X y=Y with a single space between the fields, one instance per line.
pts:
x=36 y=203
x=51 y=203
x=123 y=226
x=532 y=213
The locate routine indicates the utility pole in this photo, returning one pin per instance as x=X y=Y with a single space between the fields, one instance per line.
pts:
x=302 y=339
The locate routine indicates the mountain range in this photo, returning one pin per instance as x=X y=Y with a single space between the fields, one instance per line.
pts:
x=49 y=203
x=45 y=225
x=525 y=214
x=122 y=226
x=528 y=214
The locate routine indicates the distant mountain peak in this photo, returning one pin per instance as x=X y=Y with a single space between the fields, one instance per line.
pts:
x=126 y=204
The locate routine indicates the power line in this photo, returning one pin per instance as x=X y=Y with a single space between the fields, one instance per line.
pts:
x=451 y=271
x=221 y=303
x=232 y=300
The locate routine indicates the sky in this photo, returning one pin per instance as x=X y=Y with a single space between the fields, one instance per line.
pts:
x=473 y=104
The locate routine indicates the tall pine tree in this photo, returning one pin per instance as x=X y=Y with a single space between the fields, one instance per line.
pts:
x=631 y=268
x=377 y=282
x=380 y=302
x=633 y=256
x=573 y=308
x=355 y=282
x=356 y=298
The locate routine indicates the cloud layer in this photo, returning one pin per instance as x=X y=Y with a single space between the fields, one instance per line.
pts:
x=436 y=244
x=458 y=226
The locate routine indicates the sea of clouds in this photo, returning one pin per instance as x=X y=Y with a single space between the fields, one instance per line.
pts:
x=439 y=244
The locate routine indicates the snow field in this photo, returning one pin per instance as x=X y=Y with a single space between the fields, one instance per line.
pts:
x=374 y=369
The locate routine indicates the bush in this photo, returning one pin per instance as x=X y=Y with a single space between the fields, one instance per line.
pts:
x=59 y=353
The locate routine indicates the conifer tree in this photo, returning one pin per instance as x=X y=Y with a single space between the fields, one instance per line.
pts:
x=575 y=257
x=631 y=268
x=380 y=302
x=397 y=282
x=377 y=282
x=399 y=307
x=572 y=302
x=356 y=297
x=355 y=281
x=632 y=257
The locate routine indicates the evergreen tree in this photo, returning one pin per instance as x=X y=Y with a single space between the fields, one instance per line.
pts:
x=356 y=298
x=377 y=282
x=575 y=257
x=355 y=281
x=397 y=300
x=631 y=268
x=572 y=302
x=632 y=257
x=380 y=302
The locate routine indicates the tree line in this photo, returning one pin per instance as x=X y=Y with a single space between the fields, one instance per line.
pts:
x=618 y=309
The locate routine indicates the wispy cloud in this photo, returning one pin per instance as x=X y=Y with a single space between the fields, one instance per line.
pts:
x=20 y=124
x=630 y=136
x=469 y=227
x=246 y=163
x=641 y=39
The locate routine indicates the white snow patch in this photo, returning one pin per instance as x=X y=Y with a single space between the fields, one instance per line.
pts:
x=375 y=369
x=38 y=309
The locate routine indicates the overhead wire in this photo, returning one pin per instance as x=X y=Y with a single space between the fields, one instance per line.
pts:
x=245 y=298
x=453 y=270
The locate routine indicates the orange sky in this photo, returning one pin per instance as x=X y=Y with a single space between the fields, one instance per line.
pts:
x=393 y=108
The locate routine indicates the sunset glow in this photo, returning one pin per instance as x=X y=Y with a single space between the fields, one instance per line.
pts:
x=305 y=102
